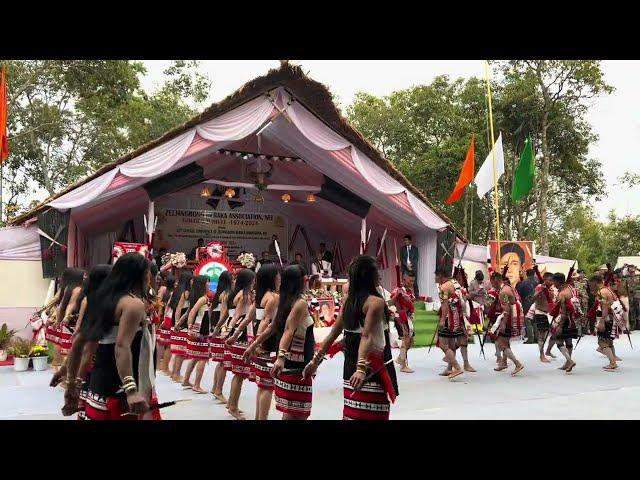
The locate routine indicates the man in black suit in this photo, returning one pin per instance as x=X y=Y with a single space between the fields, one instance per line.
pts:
x=409 y=257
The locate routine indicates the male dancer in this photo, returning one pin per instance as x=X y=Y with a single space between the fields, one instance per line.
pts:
x=403 y=299
x=543 y=303
x=463 y=294
x=495 y=309
x=566 y=327
x=450 y=322
x=508 y=302
x=605 y=321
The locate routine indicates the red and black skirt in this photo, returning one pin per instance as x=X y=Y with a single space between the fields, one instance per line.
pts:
x=293 y=393
x=179 y=342
x=239 y=366
x=261 y=366
x=113 y=408
x=216 y=347
x=198 y=347
x=65 y=341
x=51 y=333
x=164 y=335
x=368 y=403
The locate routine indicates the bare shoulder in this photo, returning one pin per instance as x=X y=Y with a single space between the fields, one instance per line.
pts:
x=133 y=304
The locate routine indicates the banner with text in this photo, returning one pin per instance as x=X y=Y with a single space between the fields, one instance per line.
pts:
x=180 y=229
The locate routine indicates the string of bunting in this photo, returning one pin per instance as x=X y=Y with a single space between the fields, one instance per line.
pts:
x=248 y=155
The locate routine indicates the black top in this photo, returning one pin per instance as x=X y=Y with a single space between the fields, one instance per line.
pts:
x=105 y=380
x=526 y=290
x=205 y=328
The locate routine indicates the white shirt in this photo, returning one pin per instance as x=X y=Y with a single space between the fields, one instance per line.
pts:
x=326 y=268
x=408 y=255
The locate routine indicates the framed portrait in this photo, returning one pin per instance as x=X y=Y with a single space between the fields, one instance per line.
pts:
x=517 y=255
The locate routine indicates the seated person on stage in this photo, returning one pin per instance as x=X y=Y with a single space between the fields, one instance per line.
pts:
x=194 y=250
x=321 y=267
x=263 y=261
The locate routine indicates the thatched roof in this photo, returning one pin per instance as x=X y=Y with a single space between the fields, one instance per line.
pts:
x=313 y=95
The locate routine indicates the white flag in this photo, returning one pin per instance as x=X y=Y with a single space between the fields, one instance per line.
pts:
x=484 y=177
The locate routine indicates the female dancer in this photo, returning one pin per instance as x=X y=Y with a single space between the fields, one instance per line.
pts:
x=369 y=375
x=266 y=305
x=294 y=328
x=73 y=278
x=219 y=316
x=239 y=303
x=199 y=328
x=121 y=379
x=164 y=339
x=68 y=311
x=179 y=308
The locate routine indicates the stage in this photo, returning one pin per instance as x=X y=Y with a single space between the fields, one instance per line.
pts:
x=541 y=391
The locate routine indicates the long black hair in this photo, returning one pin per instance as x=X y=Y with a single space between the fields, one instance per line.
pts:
x=198 y=289
x=170 y=283
x=291 y=289
x=363 y=282
x=74 y=278
x=94 y=280
x=127 y=276
x=183 y=286
x=266 y=281
x=224 y=285
x=244 y=281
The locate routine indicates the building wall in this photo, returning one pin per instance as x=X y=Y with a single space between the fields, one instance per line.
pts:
x=23 y=290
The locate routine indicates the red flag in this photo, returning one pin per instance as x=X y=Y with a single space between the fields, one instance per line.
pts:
x=4 y=144
x=466 y=174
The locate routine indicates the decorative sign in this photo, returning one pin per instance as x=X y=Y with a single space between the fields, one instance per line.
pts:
x=180 y=229
x=120 y=248
x=213 y=266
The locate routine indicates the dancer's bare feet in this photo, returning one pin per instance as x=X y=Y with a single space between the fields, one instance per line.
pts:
x=186 y=385
x=469 y=368
x=198 y=389
x=565 y=366
x=445 y=373
x=177 y=379
x=610 y=368
x=237 y=414
x=544 y=359
x=455 y=373
x=220 y=398
x=500 y=367
x=518 y=368
x=405 y=369
x=570 y=367
x=550 y=355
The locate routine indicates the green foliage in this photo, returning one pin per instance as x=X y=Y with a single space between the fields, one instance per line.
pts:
x=67 y=118
x=6 y=336
x=20 y=347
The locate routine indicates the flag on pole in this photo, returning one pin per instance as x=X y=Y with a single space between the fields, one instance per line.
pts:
x=4 y=100
x=484 y=177
x=525 y=173
x=466 y=174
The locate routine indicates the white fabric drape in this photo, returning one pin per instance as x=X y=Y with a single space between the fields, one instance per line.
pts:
x=160 y=158
x=84 y=193
x=377 y=177
x=237 y=123
x=19 y=243
x=314 y=130
x=424 y=213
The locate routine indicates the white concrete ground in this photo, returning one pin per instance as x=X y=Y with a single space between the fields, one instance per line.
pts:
x=540 y=391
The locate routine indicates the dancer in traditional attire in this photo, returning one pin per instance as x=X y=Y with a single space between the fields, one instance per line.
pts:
x=219 y=317
x=369 y=376
x=179 y=304
x=606 y=324
x=66 y=313
x=239 y=304
x=494 y=311
x=164 y=337
x=543 y=304
x=509 y=322
x=75 y=374
x=263 y=349
x=565 y=328
x=122 y=377
x=463 y=295
x=403 y=299
x=296 y=344
x=450 y=323
x=199 y=328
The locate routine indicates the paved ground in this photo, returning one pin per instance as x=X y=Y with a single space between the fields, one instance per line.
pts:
x=541 y=391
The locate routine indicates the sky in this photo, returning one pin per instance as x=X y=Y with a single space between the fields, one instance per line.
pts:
x=614 y=118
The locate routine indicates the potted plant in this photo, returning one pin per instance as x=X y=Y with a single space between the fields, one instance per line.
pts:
x=5 y=340
x=20 y=349
x=39 y=355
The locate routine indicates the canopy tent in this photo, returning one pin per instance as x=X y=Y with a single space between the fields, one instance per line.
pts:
x=284 y=119
x=632 y=260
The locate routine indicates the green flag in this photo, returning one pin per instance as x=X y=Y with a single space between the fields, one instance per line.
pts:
x=523 y=179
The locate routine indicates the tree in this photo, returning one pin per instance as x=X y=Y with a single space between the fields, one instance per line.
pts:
x=563 y=86
x=68 y=118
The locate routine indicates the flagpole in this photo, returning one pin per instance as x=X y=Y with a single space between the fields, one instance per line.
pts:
x=493 y=155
